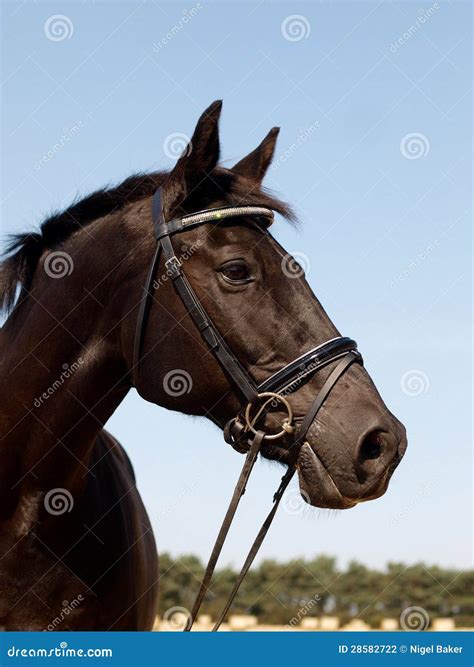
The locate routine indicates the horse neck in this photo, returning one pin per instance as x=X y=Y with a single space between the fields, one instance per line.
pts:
x=63 y=369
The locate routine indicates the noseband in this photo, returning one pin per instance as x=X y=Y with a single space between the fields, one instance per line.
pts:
x=242 y=431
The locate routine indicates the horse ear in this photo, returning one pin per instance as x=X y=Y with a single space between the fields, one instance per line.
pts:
x=256 y=163
x=197 y=161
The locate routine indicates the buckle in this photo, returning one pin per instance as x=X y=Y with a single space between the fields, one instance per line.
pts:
x=236 y=435
x=173 y=266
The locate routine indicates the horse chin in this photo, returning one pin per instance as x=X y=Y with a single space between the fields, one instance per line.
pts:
x=316 y=484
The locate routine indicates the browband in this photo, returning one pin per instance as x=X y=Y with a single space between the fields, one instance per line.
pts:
x=210 y=215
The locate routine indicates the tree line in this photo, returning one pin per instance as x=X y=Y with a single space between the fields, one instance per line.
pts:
x=278 y=593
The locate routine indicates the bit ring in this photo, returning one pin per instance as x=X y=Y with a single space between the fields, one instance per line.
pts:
x=287 y=426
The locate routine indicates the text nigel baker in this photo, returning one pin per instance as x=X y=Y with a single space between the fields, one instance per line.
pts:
x=435 y=648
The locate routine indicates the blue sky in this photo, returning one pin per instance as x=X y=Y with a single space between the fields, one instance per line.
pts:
x=374 y=104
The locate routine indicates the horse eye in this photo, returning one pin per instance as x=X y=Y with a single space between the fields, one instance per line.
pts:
x=236 y=272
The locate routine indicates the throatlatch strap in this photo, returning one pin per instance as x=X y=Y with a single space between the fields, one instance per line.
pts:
x=142 y=318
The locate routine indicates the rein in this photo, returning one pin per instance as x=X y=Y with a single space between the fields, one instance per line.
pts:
x=242 y=431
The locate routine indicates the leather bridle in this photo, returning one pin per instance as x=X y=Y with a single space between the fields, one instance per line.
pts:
x=243 y=431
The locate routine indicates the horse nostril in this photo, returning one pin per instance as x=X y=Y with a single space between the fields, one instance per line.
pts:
x=371 y=446
x=376 y=455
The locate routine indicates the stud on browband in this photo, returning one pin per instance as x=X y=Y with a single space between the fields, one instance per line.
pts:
x=226 y=212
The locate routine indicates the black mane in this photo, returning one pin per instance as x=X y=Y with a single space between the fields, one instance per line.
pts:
x=23 y=251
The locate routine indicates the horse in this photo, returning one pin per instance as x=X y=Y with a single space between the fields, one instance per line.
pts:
x=74 y=534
